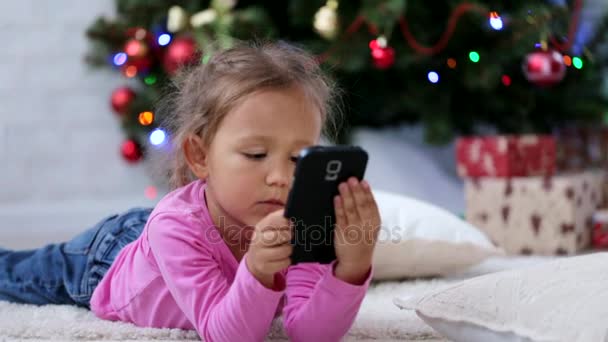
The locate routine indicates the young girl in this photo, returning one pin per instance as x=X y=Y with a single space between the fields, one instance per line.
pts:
x=214 y=254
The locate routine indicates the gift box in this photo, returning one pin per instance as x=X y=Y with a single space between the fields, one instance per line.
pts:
x=536 y=215
x=581 y=147
x=599 y=237
x=505 y=156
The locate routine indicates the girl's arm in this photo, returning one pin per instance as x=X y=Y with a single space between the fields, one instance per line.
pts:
x=322 y=303
x=320 y=307
x=220 y=311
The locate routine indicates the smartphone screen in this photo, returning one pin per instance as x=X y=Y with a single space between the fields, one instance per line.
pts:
x=319 y=171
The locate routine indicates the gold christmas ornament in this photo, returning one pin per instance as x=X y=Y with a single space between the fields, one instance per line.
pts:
x=326 y=20
x=177 y=19
x=223 y=5
x=203 y=17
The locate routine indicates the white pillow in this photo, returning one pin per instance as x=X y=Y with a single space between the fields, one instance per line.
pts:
x=418 y=239
x=563 y=300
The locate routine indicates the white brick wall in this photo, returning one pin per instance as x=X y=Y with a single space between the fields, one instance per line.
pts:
x=59 y=140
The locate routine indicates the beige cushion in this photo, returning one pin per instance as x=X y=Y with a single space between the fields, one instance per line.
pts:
x=563 y=300
x=420 y=240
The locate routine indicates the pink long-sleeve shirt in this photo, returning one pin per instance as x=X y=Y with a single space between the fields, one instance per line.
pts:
x=180 y=274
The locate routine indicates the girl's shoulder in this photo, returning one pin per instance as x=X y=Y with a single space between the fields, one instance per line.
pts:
x=186 y=198
x=187 y=201
x=181 y=215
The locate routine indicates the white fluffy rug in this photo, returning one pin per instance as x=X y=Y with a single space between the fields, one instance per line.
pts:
x=378 y=318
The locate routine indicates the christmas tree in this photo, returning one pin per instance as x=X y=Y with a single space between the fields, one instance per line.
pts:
x=519 y=66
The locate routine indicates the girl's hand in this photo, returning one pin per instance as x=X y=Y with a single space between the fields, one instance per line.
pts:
x=356 y=230
x=270 y=248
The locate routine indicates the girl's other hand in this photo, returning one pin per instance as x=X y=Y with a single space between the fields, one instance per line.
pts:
x=356 y=230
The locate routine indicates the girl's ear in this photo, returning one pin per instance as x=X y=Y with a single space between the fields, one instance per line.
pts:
x=195 y=153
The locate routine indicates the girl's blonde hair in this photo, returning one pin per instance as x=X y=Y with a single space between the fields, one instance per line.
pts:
x=202 y=95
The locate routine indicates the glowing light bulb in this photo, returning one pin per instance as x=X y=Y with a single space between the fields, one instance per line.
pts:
x=164 y=39
x=120 y=58
x=496 y=21
x=451 y=63
x=157 y=137
x=131 y=71
x=146 y=118
x=150 y=79
x=474 y=56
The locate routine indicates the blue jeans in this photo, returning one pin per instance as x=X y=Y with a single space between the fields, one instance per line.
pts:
x=68 y=272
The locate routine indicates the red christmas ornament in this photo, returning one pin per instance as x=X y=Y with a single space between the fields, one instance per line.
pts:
x=131 y=151
x=121 y=99
x=544 y=68
x=180 y=52
x=383 y=56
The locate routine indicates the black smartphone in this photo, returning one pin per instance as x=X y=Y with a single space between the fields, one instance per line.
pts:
x=310 y=205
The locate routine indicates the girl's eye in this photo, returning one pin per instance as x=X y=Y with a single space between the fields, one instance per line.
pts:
x=255 y=156
x=259 y=156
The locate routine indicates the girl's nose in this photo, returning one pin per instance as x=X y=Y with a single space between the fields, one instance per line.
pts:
x=280 y=175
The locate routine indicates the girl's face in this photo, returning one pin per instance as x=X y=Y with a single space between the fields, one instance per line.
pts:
x=251 y=158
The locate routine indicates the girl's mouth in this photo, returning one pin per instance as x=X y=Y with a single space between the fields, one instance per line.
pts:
x=273 y=202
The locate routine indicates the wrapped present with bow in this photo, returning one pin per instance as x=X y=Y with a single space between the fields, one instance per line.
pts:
x=581 y=147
